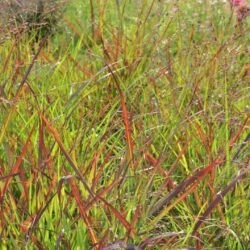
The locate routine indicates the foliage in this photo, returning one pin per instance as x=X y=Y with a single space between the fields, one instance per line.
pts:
x=127 y=130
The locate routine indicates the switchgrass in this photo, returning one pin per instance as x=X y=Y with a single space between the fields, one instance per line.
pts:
x=128 y=129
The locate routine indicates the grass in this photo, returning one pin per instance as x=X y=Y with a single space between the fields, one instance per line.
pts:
x=129 y=127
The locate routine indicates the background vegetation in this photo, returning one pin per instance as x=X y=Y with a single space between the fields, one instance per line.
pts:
x=126 y=128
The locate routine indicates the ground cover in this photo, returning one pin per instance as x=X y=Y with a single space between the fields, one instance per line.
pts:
x=128 y=128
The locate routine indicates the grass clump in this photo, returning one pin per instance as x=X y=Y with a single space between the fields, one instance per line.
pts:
x=128 y=130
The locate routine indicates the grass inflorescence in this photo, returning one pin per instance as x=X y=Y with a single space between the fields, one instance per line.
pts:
x=128 y=128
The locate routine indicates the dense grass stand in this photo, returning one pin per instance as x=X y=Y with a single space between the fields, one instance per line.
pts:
x=124 y=124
